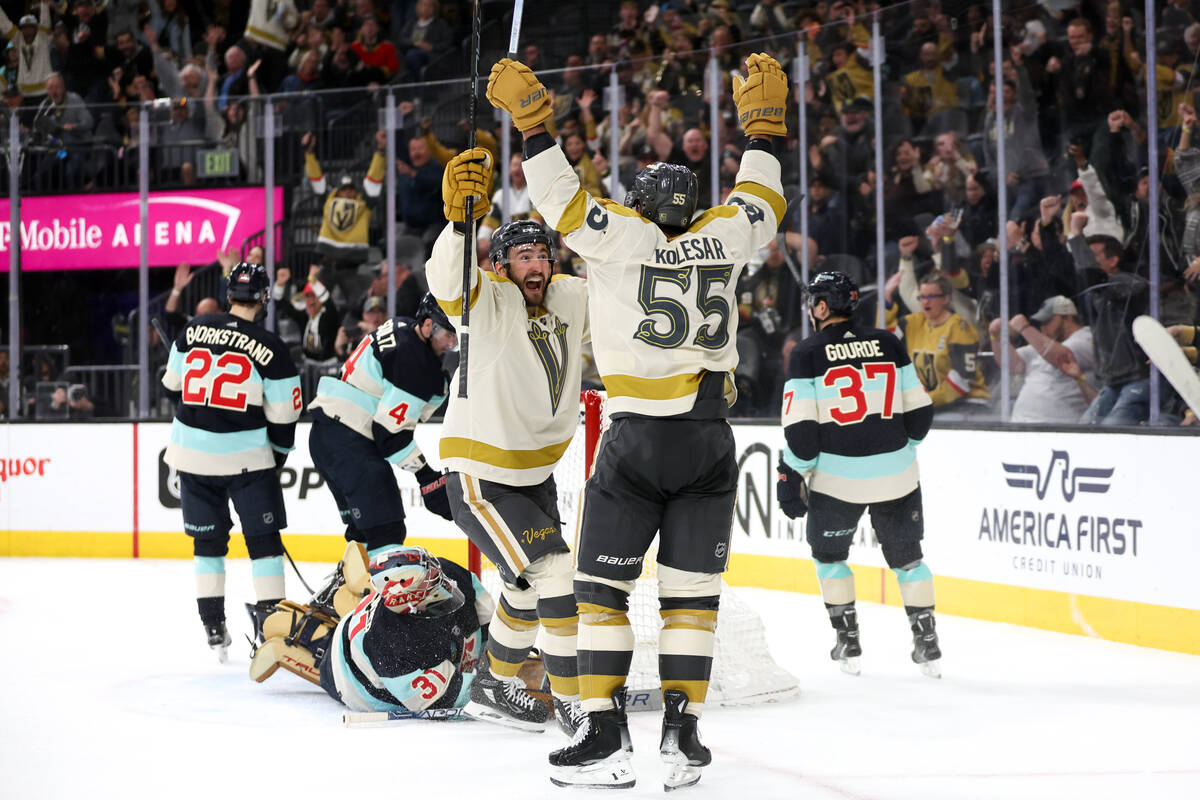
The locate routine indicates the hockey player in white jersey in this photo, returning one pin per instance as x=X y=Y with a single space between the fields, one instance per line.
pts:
x=663 y=283
x=502 y=443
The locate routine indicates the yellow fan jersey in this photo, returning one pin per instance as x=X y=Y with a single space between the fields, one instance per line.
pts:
x=945 y=357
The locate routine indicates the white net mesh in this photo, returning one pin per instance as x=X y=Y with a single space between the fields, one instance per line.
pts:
x=743 y=671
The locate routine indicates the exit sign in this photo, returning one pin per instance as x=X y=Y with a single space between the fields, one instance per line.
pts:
x=217 y=163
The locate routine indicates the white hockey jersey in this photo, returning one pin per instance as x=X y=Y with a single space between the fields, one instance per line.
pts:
x=271 y=22
x=668 y=304
x=523 y=407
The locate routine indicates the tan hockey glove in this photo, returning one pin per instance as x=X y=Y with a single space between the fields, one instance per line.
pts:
x=469 y=174
x=762 y=97
x=513 y=87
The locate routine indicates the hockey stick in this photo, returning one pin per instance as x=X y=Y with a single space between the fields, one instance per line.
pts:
x=464 y=328
x=1166 y=354
x=353 y=718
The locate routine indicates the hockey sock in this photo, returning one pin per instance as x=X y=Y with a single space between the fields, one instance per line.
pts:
x=512 y=632
x=916 y=584
x=605 y=639
x=688 y=603
x=561 y=623
x=268 y=577
x=210 y=588
x=837 y=583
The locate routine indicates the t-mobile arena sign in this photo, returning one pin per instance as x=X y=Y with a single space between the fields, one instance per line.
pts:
x=103 y=231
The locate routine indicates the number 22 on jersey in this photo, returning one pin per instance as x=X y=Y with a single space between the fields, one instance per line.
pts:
x=214 y=380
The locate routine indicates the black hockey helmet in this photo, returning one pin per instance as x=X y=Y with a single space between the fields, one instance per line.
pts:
x=429 y=309
x=838 y=291
x=247 y=283
x=665 y=194
x=411 y=581
x=517 y=232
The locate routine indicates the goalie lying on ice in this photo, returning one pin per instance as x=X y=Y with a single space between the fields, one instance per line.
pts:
x=400 y=633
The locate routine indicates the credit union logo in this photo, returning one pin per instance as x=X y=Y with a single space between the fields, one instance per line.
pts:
x=1080 y=479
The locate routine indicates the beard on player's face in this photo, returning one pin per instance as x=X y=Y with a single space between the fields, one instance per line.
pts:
x=529 y=268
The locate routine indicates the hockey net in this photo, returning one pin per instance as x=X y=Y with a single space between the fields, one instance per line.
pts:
x=744 y=673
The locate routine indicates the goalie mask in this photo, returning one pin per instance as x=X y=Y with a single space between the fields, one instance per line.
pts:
x=665 y=194
x=411 y=581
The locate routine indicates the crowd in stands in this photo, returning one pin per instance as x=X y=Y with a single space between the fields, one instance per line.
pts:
x=1076 y=163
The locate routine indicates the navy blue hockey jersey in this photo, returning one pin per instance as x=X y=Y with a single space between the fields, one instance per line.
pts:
x=391 y=381
x=853 y=411
x=384 y=661
x=237 y=394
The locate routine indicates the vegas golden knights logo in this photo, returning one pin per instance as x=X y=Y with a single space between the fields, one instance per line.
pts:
x=343 y=213
x=923 y=363
x=554 y=362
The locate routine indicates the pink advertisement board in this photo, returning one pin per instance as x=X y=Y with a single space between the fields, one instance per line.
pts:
x=102 y=231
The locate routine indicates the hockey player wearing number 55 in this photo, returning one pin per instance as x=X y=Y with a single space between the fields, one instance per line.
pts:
x=364 y=420
x=503 y=441
x=237 y=397
x=664 y=284
x=853 y=413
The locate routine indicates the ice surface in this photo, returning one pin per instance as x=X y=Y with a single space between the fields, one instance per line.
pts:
x=109 y=691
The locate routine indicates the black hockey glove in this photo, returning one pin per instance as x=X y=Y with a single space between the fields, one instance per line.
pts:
x=791 y=491
x=433 y=492
x=280 y=460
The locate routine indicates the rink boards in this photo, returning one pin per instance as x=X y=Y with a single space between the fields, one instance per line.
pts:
x=1077 y=532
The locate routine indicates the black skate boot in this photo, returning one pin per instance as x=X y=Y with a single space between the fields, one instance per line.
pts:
x=846 y=651
x=680 y=748
x=505 y=701
x=218 y=639
x=258 y=615
x=598 y=755
x=569 y=715
x=926 y=651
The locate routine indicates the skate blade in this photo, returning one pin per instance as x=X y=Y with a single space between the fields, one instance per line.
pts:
x=614 y=772
x=680 y=774
x=850 y=666
x=484 y=714
x=932 y=669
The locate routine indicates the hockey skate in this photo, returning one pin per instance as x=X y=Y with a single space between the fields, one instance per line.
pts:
x=926 y=652
x=569 y=715
x=258 y=614
x=505 y=701
x=598 y=755
x=847 y=650
x=218 y=639
x=680 y=748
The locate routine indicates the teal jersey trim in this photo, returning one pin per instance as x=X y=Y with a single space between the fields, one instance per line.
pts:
x=801 y=465
x=332 y=387
x=175 y=360
x=403 y=453
x=218 y=444
x=862 y=468
x=394 y=397
x=279 y=390
x=908 y=378
x=801 y=388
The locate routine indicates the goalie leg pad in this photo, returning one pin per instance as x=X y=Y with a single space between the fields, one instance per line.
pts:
x=296 y=638
x=349 y=583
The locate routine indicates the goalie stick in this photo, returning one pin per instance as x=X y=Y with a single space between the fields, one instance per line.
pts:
x=353 y=718
x=1166 y=354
